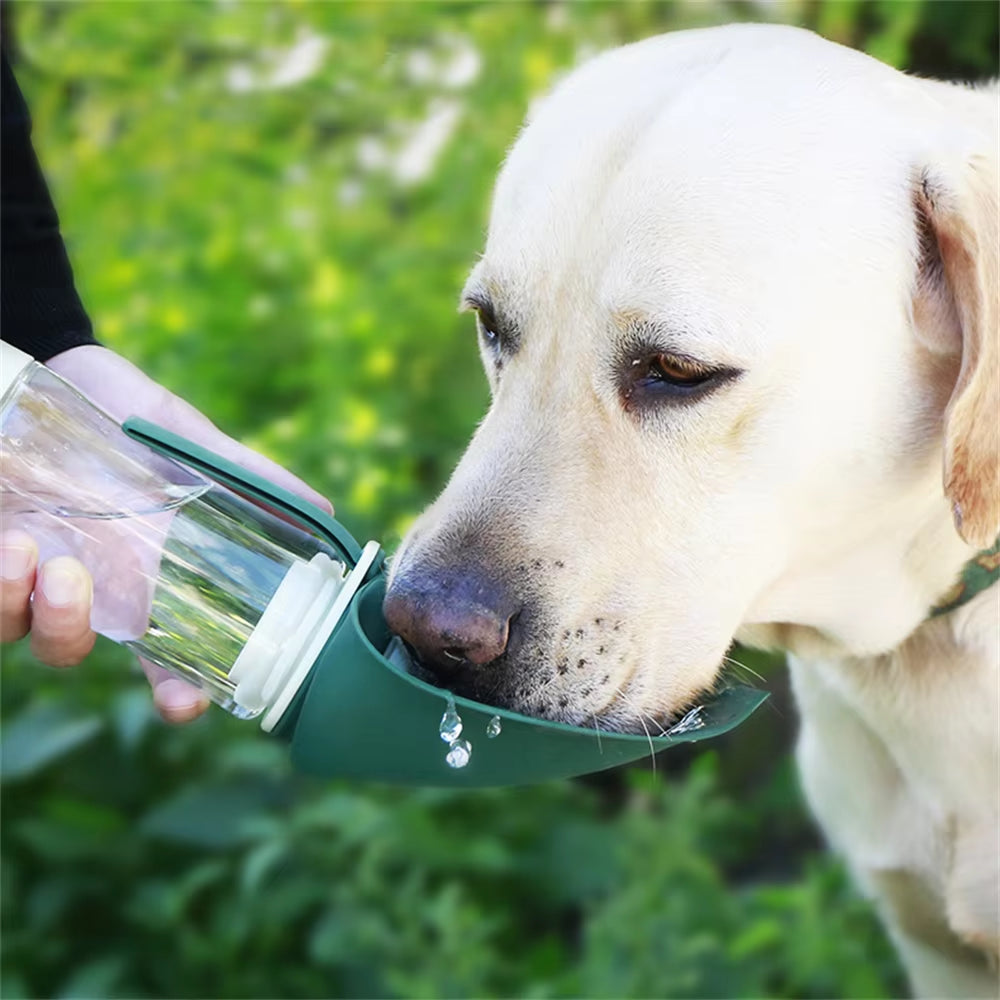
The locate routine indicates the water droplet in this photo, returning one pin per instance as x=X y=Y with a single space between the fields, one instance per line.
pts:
x=689 y=722
x=459 y=753
x=451 y=724
x=493 y=727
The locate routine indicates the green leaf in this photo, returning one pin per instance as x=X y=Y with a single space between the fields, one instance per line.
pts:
x=41 y=734
x=97 y=978
x=132 y=713
x=214 y=816
x=259 y=862
x=13 y=986
x=577 y=861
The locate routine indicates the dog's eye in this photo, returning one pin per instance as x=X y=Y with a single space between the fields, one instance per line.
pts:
x=487 y=324
x=671 y=371
x=670 y=378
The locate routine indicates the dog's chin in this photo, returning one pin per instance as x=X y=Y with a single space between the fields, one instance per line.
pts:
x=658 y=721
x=534 y=690
x=626 y=711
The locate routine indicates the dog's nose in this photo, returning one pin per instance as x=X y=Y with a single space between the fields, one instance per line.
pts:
x=452 y=618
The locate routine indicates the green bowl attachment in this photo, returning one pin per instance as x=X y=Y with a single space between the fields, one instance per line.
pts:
x=363 y=716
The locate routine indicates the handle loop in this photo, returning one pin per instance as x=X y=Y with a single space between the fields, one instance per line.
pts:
x=228 y=473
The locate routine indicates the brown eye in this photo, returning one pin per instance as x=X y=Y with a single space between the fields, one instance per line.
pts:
x=675 y=371
x=657 y=378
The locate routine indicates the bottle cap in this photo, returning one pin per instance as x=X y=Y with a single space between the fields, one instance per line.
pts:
x=293 y=615
x=301 y=615
x=12 y=363
x=330 y=607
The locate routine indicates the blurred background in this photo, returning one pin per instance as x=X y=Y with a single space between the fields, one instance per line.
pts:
x=271 y=209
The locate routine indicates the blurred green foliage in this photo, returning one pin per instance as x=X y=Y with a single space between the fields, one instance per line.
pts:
x=271 y=209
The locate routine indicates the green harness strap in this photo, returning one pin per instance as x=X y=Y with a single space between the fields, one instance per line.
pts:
x=980 y=572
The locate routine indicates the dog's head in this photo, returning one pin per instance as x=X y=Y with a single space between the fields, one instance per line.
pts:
x=734 y=306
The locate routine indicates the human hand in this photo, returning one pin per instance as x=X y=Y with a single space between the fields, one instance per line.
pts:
x=58 y=615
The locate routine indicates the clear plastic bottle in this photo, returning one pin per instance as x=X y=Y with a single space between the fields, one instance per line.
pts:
x=188 y=574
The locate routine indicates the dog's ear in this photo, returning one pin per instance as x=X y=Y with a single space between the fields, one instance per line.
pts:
x=956 y=310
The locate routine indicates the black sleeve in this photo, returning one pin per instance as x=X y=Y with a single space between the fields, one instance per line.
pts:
x=40 y=311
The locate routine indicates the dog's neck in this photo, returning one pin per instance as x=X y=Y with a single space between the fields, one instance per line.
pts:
x=869 y=599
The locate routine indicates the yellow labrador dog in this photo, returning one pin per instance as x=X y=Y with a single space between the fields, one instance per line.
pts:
x=738 y=309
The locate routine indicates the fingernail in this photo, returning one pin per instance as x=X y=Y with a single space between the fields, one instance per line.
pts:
x=17 y=552
x=177 y=701
x=64 y=581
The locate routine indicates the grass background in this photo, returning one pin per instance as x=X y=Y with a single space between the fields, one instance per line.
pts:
x=260 y=218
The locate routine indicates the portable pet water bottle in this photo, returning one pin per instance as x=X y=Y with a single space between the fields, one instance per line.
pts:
x=187 y=574
x=262 y=600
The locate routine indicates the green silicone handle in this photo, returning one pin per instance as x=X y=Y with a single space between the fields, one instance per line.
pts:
x=243 y=481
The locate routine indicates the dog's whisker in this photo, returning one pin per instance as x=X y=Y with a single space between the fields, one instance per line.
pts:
x=642 y=716
x=639 y=713
x=597 y=729
x=652 y=751
x=742 y=666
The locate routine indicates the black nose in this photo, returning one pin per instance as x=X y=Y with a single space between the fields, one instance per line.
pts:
x=452 y=617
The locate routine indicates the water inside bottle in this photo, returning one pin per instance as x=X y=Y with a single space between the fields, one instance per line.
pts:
x=170 y=497
x=221 y=564
x=183 y=584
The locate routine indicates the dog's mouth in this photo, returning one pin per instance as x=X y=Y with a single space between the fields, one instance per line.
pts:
x=496 y=685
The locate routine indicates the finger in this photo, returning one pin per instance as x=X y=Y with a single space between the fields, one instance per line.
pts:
x=18 y=561
x=60 y=618
x=176 y=700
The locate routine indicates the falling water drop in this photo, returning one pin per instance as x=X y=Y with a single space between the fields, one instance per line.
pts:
x=493 y=727
x=451 y=723
x=458 y=753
